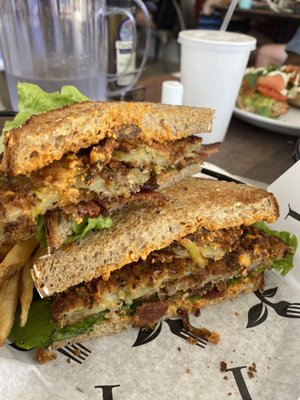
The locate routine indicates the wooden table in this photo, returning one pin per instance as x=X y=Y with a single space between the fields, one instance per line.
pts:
x=247 y=151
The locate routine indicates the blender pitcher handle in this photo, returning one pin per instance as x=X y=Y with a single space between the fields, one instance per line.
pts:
x=114 y=77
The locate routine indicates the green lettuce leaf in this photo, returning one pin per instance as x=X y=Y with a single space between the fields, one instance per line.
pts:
x=285 y=265
x=40 y=231
x=41 y=329
x=33 y=100
x=38 y=329
x=251 y=78
x=79 y=230
x=88 y=224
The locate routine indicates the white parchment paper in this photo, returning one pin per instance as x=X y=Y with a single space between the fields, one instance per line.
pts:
x=260 y=348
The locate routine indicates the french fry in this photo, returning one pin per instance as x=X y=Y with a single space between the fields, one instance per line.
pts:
x=26 y=286
x=16 y=258
x=26 y=292
x=4 y=250
x=9 y=296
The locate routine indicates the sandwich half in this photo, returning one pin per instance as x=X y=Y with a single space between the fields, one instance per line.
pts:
x=200 y=247
x=68 y=166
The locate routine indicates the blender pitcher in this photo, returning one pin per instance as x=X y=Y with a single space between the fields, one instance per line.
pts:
x=60 y=42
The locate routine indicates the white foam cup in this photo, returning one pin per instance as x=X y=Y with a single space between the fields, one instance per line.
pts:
x=212 y=68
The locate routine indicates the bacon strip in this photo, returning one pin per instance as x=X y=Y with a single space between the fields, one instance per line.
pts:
x=158 y=198
x=208 y=149
x=149 y=313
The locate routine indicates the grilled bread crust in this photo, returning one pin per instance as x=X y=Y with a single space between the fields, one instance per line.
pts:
x=58 y=228
x=46 y=137
x=118 y=324
x=140 y=229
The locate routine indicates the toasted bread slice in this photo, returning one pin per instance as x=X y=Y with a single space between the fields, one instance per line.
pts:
x=47 y=137
x=117 y=324
x=140 y=229
x=58 y=224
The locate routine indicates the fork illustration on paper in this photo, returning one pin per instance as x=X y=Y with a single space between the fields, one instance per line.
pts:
x=176 y=327
x=76 y=352
x=259 y=312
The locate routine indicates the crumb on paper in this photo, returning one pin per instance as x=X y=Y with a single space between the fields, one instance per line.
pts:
x=197 y=312
x=76 y=352
x=43 y=356
x=237 y=314
x=252 y=370
x=214 y=338
x=191 y=340
x=253 y=367
x=225 y=377
x=187 y=370
x=223 y=366
x=229 y=394
x=203 y=333
x=68 y=360
x=179 y=348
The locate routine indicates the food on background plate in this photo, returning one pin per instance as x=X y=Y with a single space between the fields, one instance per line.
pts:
x=269 y=91
x=294 y=93
x=198 y=248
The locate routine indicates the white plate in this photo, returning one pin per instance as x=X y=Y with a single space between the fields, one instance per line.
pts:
x=288 y=124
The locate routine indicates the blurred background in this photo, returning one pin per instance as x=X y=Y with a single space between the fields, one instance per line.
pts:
x=270 y=22
x=171 y=16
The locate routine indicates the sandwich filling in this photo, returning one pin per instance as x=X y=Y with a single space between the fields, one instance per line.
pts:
x=203 y=268
x=93 y=181
x=202 y=265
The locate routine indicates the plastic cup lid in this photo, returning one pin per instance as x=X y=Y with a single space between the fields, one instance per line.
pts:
x=217 y=40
